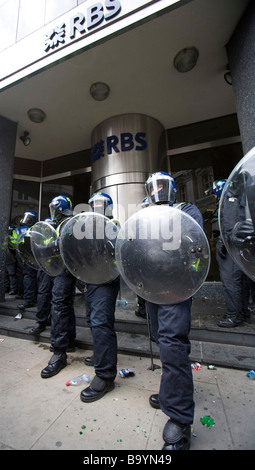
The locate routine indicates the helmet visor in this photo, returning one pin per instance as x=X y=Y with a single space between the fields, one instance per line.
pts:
x=55 y=214
x=28 y=219
x=100 y=205
x=160 y=190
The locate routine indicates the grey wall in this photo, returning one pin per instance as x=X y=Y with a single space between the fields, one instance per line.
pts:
x=7 y=147
x=241 y=55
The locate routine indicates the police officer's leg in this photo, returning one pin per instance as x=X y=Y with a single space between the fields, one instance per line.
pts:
x=102 y=301
x=176 y=388
x=44 y=295
x=11 y=270
x=63 y=318
x=19 y=277
x=245 y=313
x=89 y=361
x=30 y=287
x=231 y=278
x=62 y=314
x=152 y=310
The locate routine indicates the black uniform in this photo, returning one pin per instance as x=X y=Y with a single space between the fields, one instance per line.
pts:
x=232 y=277
x=100 y=311
x=173 y=322
x=44 y=294
x=63 y=321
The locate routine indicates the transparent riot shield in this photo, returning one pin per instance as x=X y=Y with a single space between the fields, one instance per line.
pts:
x=24 y=249
x=87 y=247
x=237 y=214
x=44 y=243
x=162 y=254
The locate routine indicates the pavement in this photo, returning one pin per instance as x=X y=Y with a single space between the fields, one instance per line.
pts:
x=45 y=414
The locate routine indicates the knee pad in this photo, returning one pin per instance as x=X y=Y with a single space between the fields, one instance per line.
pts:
x=176 y=436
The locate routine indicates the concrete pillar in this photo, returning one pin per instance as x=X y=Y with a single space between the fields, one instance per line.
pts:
x=7 y=148
x=241 y=54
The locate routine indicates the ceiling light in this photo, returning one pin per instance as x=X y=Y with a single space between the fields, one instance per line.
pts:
x=36 y=115
x=186 y=59
x=25 y=139
x=99 y=91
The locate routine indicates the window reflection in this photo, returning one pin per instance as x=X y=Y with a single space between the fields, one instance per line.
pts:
x=25 y=197
x=51 y=190
x=76 y=187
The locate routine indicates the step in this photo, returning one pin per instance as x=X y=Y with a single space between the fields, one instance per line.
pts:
x=205 y=314
x=224 y=355
x=210 y=344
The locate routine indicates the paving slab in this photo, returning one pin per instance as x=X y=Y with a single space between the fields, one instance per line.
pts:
x=45 y=414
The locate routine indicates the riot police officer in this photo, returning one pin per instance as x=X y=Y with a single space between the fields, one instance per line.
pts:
x=100 y=310
x=175 y=396
x=231 y=275
x=63 y=323
x=11 y=264
x=29 y=274
x=44 y=295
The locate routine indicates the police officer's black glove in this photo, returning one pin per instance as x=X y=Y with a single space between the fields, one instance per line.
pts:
x=243 y=234
x=221 y=249
x=51 y=249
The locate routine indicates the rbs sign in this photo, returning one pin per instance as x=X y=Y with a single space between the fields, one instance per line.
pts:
x=124 y=143
x=96 y=15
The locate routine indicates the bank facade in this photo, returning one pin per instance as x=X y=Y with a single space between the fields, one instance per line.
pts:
x=101 y=137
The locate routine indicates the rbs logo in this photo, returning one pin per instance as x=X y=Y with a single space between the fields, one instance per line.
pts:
x=126 y=142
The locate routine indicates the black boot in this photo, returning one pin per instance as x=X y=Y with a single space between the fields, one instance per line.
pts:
x=89 y=361
x=176 y=436
x=97 y=389
x=38 y=328
x=154 y=401
x=26 y=305
x=56 y=363
x=229 y=322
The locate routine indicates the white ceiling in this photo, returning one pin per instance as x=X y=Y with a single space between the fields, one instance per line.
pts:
x=138 y=67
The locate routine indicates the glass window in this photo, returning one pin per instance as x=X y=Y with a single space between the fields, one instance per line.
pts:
x=25 y=197
x=77 y=187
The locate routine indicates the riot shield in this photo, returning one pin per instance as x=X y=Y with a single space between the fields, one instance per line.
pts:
x=162 y=254
x=44 y=243
x=87 y=247
x=237 y=214
x=24 y=249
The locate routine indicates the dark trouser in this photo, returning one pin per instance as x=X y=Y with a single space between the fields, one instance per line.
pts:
x=246 y=291
x=11 y=276
x=231 y=278
x=63 y=323
x=176 y=388
x=100 y=311
x=44 y=294
x=30 y=284
x=19 y=275
x=152 y=310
